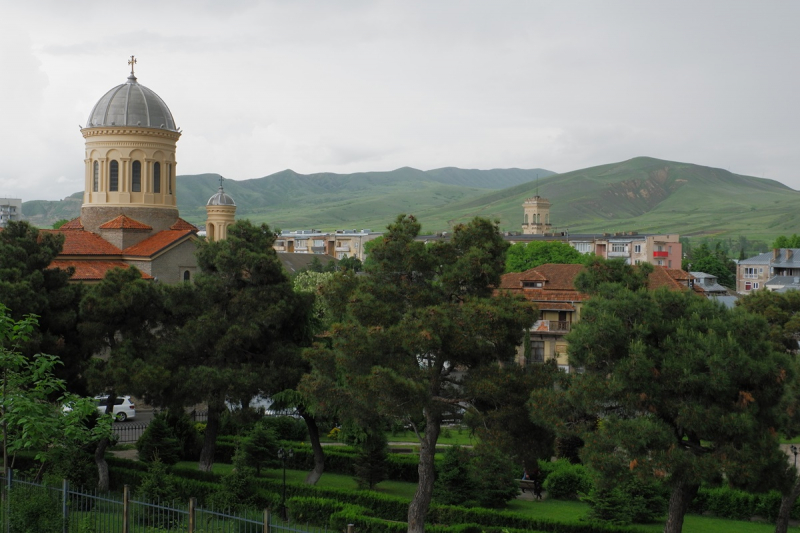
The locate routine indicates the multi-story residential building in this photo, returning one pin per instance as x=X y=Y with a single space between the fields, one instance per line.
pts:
x=339 y=244
x=552 y=288
x=708 y=286
x=757 y=272
x=635 y=248
x=10 y=210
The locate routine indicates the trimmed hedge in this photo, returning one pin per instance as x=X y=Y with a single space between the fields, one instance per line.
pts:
x=741 y=505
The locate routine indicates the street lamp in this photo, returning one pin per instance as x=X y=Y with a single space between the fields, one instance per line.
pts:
x=794 y=451
x=283 y=455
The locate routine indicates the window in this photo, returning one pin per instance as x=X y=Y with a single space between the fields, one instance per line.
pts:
x=755 y=285
x=156 y=177
x=748 y=286
x=669 y=249
x=96 y=177
x=526 y=219
x=531 y=284
x=319 y=242
x=619 y=247
x=637 y=248
x=583 y=247
x=136 y=176
x=169 y=178
x=760 y=270
x=537 y=351
x=187 y=275
x=750 y=272
x=669 y=263
x=113 y=176
x=660 y=263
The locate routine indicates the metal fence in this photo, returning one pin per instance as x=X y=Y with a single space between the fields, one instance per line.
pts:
x=31 y=506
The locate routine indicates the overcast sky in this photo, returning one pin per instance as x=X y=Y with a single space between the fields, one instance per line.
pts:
x=346 y=86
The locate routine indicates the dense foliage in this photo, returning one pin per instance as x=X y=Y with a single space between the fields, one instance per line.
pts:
x=523 y=256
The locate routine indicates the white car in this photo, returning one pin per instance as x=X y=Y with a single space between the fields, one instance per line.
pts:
x=124 y=409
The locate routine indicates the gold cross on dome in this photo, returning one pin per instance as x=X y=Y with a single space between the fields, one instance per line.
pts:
x=221 y=179
x=132 y=62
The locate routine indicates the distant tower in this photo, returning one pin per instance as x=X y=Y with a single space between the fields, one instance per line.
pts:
x=221 y=211
x=536 y=216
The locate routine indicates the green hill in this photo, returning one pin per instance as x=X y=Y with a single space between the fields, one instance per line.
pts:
x=646 y=195
x=642 y=194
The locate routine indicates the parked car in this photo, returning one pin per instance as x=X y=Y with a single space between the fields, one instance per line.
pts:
x=124 y=409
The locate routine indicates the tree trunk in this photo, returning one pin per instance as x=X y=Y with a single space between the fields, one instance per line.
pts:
x=787 y=502
x=210 y=440
x=682 y=495
x=103 y=482
x=319 y=455
x=418 y=510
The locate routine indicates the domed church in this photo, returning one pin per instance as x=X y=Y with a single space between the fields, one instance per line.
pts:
x=129 y=215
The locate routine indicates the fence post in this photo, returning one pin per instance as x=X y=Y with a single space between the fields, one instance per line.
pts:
x=126 y=496
x=267 y=528
x=9 y=479
x=192 y=505
x=351 y=528
x=64 y=510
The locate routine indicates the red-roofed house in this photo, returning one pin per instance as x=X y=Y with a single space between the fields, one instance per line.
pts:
x=552 y=288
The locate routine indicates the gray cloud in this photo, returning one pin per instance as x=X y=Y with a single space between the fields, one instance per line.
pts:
x=357 y=85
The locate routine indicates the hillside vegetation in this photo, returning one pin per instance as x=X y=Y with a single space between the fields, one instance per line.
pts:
x=642 y=194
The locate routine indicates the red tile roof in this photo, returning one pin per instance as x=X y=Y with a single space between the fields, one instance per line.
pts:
x=91 y=270
x=154 y=244
x=123 y=222
x=80 y=242
x=75 y=223
x=182 y=225
x=670 y=278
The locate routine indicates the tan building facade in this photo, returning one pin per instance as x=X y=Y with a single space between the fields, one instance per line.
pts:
x=340 y=244
x=129 y=215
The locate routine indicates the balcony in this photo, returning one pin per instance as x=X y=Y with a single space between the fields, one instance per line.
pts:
x=660 y=254
x=344 y=248
x=552 y=326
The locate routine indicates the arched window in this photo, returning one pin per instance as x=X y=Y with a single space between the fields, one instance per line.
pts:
x=169 y=178
x=156 y=177
x=113 y=176
x=526 y=219
x=186 y=275
x=136 y=177
x=96 y=177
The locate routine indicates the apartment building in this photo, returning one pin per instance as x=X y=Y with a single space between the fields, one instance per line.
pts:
x=339 y=244
x=635 y=248
x=777 y=269
x=10 y=210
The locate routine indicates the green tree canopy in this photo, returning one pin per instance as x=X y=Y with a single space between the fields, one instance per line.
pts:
x=611 y=274
x=522 y=256
x=421 y=312
x=675 y=388
x=236 y=330
x=714 y=262
x=29 y=287
x=787 y=242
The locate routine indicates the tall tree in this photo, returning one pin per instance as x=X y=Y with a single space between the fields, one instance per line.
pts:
x=29 y=287
x=782 y=313
x=522 y=256
x=121 y=321
x=421 y=315
x=237 y=328
x=686 y=390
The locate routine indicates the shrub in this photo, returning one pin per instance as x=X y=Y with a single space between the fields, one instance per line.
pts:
x=453 y=485
x=287 y=428
x=629 y=501
x=72 y=463
x=157 y=484
x=237 y=488
x=370 y=466
x=260 y=446
x=159 y=440
x=186 y=431
x=567 y=482
x=493 y=474
x=34 y=510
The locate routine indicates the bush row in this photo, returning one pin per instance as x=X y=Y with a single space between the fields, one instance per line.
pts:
x=741 y=505
x=372 y=512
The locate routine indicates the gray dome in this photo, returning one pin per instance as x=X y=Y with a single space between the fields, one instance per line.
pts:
x=221 y=198
x=131 y=104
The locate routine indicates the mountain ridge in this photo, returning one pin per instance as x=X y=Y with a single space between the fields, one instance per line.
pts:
x=640 y=194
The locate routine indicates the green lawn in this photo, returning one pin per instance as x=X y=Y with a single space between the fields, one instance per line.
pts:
x=559 y=510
